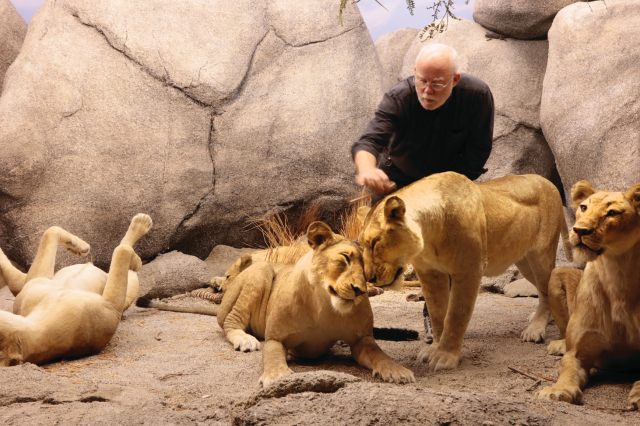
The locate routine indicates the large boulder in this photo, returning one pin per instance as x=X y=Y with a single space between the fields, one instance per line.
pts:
x=172 y=273
x=12 y=32
x=391 y=48
x=516 y=18
x=514 y=70
x=590 y=102
x=198 y=114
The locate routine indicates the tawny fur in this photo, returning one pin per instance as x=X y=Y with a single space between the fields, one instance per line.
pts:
x=604 y=324
x=453 y=232
x=73 y=312
x=303 y=309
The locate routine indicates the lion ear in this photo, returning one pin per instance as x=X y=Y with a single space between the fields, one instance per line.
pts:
x=394 y=208
x=318 y=233
x=362 y=213
x=634 y=195
x=580 y=192
x=245 y=261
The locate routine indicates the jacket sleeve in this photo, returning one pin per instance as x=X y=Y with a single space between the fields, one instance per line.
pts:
x=478 y=147
x=382 y=127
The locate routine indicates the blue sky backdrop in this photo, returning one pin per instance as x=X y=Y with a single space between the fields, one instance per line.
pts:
x=379 y=21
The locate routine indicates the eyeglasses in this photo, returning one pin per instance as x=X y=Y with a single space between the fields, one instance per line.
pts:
x=437 y=87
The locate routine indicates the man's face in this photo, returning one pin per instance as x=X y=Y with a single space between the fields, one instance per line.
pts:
x=434 y=69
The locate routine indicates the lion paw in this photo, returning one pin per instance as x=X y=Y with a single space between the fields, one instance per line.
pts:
x=77 y=247
x=140 y=225
x=634 y=395
x=557 y=347
x=274 y=374
x=572 y=394
x=245 y=342
x=438 y=359
x=534 y=333
x=391 y=371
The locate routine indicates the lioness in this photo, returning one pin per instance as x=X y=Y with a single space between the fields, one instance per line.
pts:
x=305 y=308
x=453 y=232
x=73 y=312
x=604 y=327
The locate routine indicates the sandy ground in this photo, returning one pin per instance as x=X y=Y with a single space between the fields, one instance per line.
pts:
x=178 y=367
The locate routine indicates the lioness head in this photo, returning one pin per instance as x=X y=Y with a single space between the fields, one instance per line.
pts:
x=221 y=283
x=606 y=222
x=387 y=242
x=337 y=264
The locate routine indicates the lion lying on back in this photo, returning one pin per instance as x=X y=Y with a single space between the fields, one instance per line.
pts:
x=73 y=312
x=603 y=327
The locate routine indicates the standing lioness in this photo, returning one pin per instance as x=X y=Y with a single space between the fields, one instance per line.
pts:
x=305 y=308
x=73 y=312
x=453 y=232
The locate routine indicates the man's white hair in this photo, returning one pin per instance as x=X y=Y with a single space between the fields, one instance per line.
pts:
x=442 y=49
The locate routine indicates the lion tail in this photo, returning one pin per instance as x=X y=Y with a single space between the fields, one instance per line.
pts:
x=564 y=234
x=143 y=302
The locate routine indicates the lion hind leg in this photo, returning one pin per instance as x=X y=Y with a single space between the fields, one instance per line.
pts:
x=538 y=273
x=115 y=290
x=10 y=275
x=44 y=262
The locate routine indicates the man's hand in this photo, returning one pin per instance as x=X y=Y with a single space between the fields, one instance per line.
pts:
x=367 y=174
x=376 y=180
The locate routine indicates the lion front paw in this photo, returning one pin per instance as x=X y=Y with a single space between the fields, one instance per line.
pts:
x=438 y=359
x=77 y=247
x=634 y=395
x=391 y=371
x=557 y=347
x=572 y=394
x=244 y=342
x=534 y=333
x=273 y=374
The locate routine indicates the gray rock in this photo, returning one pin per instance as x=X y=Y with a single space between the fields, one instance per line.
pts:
x=514 y=70
x=172 y=273
x=222 y=257
x=518 y=19
x=497 y=284
x=12 y=32
x=391 y=48
x=590 y=107
x=198 y=115
x=520 y=288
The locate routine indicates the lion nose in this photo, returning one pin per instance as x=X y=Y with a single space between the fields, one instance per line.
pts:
x=582 y=231
x=356 y=290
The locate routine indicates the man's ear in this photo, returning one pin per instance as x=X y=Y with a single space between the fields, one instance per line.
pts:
x=362 y=214
x=580 y=192
x=318 y=233
x=394 y=208
x=634 y=195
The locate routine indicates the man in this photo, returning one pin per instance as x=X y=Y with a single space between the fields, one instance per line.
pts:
x=435 y=121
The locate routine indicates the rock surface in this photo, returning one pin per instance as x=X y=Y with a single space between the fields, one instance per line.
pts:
x=518 y=19
x=13 y=29
x=391 y=48
x=520 y=288
x=172 y=273
x=514 y=70
x=591 y=103
x=198 y=114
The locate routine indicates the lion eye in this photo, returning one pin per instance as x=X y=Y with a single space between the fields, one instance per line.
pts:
x=583 y=208
x=373 y=245
x=347 y=258
x=612 y=213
